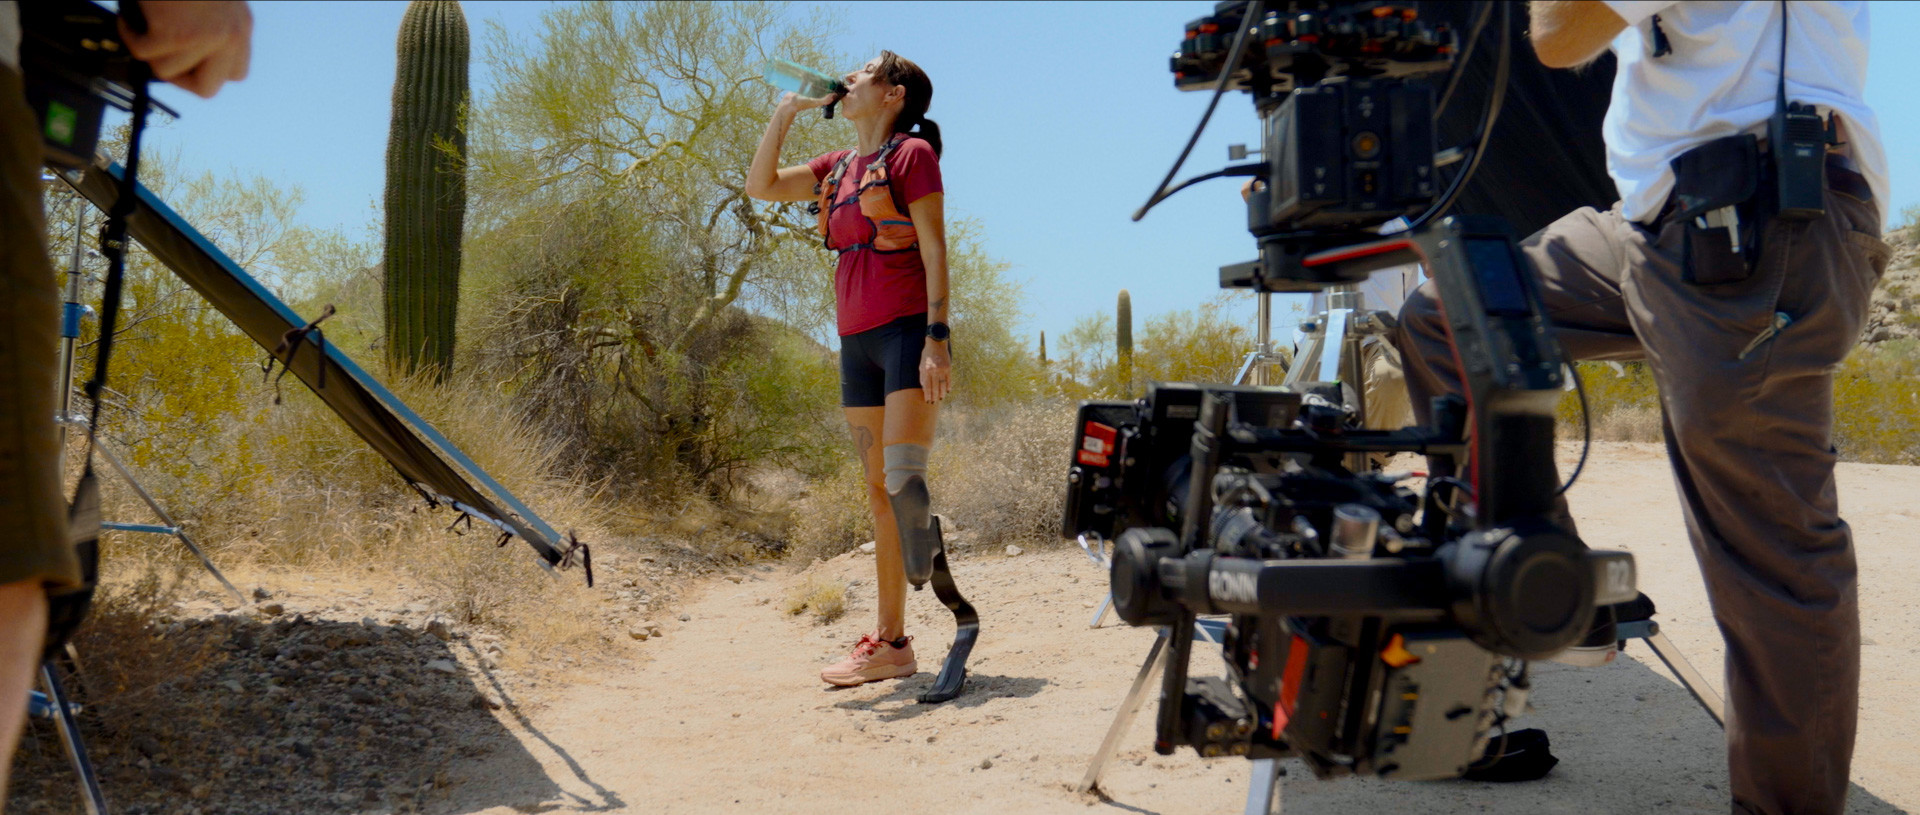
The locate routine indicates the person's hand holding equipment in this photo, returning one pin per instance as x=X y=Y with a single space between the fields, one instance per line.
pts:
x=198 y=45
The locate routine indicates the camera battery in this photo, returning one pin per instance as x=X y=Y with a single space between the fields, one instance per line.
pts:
x=1433 y=700
x=1350 y=154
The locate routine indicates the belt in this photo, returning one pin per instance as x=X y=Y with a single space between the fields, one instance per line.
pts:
x=1841 y=178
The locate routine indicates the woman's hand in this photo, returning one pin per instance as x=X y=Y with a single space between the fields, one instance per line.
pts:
x=936 y=371
x=794 y=103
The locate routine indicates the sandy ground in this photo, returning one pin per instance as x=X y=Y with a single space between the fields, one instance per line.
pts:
x=725 y=713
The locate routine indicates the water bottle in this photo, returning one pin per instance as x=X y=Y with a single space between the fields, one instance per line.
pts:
x=802 y=81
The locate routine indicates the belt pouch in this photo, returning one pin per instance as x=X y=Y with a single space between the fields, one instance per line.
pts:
x=1713 y=185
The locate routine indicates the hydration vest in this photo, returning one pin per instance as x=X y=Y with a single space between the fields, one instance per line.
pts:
x=879 y=203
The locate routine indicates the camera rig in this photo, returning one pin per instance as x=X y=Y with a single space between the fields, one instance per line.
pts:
x=1374 y=628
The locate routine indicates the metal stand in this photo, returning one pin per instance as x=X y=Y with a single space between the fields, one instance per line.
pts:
x=1677 y=663
x=1254 y=370
x=1263 y=793
x=71 y=312
x=1209 y=630
x=61 y=711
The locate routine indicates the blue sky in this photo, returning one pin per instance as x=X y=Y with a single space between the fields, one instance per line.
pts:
x=1058 y=120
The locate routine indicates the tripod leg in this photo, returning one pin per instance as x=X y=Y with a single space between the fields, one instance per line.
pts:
x=1123 y=717
x=127 y=476
x=1100 y=616
x=966 y=621
x=70 y=737
x=1263 y=793
x=1689 y=678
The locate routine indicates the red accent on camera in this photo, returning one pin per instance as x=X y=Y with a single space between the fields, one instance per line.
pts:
x=1096 y=445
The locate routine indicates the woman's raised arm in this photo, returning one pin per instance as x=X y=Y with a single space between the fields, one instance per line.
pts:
x=764 y=181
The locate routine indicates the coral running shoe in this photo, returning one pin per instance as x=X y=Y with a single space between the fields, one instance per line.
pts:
x=872 y=660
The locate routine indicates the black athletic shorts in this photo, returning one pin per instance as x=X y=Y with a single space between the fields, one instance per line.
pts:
x=879 y=361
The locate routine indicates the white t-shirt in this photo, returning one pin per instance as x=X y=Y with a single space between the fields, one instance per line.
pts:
x=1720 y=80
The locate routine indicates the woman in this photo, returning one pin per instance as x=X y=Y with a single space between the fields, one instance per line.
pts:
x=882 y=210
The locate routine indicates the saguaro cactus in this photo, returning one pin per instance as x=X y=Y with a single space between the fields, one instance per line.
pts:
x=426 y=196
x=1043 y=348
x=1123 y=340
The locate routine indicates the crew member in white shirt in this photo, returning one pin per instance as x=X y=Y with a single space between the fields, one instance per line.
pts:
x=1742 y=316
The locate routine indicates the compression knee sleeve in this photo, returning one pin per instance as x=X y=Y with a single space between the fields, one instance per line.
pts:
x=903 y=461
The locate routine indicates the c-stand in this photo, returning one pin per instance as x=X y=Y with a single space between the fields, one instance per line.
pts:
x=72 y=311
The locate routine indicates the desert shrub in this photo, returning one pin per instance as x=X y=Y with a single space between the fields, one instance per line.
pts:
x=1000 y=473
x=832 y=516
x=1876 y=404
x=1623 y=401
x=820 y=594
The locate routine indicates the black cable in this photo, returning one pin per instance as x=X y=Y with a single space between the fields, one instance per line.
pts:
x=1484 y=133
x=113 y=244
x=1226 y=78
x=1586 y=430
x=1460 y=61
x=1237 y=169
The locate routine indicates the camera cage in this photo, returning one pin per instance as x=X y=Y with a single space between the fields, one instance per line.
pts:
x=1374 y=629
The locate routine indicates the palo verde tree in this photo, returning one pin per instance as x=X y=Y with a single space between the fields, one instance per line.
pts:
x=630 y=297
x=426 y=195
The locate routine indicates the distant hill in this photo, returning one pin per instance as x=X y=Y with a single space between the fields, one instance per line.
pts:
x=1895 y=313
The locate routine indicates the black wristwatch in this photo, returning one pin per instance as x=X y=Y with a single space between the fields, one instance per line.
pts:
x=938 y=332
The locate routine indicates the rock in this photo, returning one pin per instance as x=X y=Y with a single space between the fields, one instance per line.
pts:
x=734 y=578
x=272 y=609
x=986 y=764
x=1014 y=551
x=261 y=593
x=361 y=695
x=365 y=731
x=231 y=685
x=481 y=701
x=867 y=548
x=421 y=732
x=686 y=618
x=445 y=666
x=439 y=629
x=640 y=634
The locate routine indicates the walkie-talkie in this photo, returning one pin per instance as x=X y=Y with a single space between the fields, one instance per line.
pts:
x=1797 y=137
x=1799 y=140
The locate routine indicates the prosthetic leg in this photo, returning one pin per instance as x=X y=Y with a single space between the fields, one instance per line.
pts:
x=924 y=556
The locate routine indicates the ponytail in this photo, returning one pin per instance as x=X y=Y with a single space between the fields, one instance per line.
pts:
x=898 y=70
x=929 y=130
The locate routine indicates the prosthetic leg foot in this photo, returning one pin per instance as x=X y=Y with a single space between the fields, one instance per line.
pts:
x=953 y=672
x=924 y=555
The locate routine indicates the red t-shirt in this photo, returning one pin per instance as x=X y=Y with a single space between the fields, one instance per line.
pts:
x=873 y=288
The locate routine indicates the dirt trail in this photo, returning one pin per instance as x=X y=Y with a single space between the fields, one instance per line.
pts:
x=725 y=713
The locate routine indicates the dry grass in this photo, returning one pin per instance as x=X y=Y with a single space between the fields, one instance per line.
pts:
x=832 y=516
x=997 y=473
x=1000 y=474
x=1876 y=404
x=820 y=594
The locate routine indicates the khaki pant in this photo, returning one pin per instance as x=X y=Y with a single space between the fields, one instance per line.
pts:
x=33 y=520
x=1750 y=442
